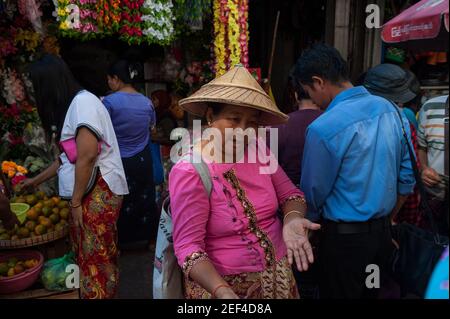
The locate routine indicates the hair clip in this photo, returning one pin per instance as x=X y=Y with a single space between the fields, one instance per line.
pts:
x=132 y=72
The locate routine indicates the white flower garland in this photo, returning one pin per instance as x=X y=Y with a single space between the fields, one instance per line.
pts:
x=158 y=20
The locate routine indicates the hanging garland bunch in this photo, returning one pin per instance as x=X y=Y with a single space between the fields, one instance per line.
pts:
x=158 y=21
x=108 y=15
x=230 y=34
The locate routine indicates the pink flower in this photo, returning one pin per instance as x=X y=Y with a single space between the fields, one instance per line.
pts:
x=17 y=179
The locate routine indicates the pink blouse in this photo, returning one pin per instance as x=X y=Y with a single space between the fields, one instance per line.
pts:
x=218 y=226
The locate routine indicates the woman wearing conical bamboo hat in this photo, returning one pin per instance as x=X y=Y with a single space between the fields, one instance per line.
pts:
x=228 y=238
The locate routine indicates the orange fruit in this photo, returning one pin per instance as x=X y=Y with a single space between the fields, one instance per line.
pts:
x=49 y=203
x=29 y=263
x=54 y=218
x=11 y=272
x=32 y=214
x=14 y=237
x=40 y=195
x=46 y=211
x=63 y=222
x=40 y=230
x=55 y=210
x=23 y=232
x=31 y=224
x=31 y=200
x=64 y=213
x=56 y=200
x=63 y=204
x=18 y=269
x=46 y=222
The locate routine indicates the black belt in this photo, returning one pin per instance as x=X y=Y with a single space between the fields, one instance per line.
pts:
x=347 y=228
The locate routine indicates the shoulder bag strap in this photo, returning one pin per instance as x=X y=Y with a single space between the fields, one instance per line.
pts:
x=419 y=183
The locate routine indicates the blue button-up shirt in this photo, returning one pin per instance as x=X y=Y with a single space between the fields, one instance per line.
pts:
x=356 y=160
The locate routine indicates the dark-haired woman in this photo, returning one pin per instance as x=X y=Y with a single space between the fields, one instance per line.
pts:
x=133 y=115
x=94 y=181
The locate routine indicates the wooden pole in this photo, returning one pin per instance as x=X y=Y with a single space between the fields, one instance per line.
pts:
x=274 y=41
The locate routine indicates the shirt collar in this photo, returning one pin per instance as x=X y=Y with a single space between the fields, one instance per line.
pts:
x=347 y=94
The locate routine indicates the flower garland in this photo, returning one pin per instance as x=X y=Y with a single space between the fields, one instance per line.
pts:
x=244 y=33
x=28 y=39
x=108 y=15
x=233 y=34
x=8 y=47
x=130 y=29
x=77 y=18
x=12 y=90
x=230 y=34
x=136 y=21
x=158 y=21
x=219 y=38
x=31 y=9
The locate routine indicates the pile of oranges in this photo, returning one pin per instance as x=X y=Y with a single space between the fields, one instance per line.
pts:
x=47 y=214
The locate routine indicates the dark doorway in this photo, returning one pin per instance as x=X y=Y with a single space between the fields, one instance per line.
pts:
x=301 y=24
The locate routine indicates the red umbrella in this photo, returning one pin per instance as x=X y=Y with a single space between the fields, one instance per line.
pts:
x=424 y=26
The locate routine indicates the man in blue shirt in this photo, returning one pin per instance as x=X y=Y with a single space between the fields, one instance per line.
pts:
x=356 y=171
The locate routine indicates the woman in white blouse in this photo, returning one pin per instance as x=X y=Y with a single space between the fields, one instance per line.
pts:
x=94 y=181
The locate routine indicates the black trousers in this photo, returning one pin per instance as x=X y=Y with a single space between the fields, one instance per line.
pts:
x=343 y=261
x=138 y=218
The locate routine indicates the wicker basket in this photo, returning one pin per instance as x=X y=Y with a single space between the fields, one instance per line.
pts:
x=35 y=241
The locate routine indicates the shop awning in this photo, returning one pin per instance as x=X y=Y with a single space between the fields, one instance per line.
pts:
x=422 y=27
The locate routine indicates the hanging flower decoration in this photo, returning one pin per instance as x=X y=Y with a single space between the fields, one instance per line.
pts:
x=244 y=33
x=12 y=88
x=31 y=10
x=50 y=45
x=136 y=21
x=230 y=34
x=219 y=38
x=8 y=47
x=27 y=39
x=108 y=15
x=189 y=15
x=158 y=21
x=130 y=29
x=77 y=18
x=149 y=21
x=233 y=34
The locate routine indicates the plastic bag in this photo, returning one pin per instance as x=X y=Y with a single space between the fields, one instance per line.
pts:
x=53 y=275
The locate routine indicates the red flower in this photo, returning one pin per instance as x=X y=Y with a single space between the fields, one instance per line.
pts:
x=17 y=179
x=13 y=140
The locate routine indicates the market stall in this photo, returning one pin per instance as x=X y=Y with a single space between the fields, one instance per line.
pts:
x=182 y=44
x=418 y=37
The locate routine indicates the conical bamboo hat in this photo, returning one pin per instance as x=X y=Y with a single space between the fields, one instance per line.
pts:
x=236 y=87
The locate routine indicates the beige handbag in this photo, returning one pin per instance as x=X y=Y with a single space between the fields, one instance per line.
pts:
x=167 y=274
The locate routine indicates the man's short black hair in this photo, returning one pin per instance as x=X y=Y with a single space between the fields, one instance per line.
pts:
x=323 y=61
x=297 y=88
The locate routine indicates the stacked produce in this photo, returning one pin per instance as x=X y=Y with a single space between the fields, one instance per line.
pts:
x=14 y=266
x=47 y=214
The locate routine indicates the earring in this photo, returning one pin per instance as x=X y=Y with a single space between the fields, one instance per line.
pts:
x=209 y=123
